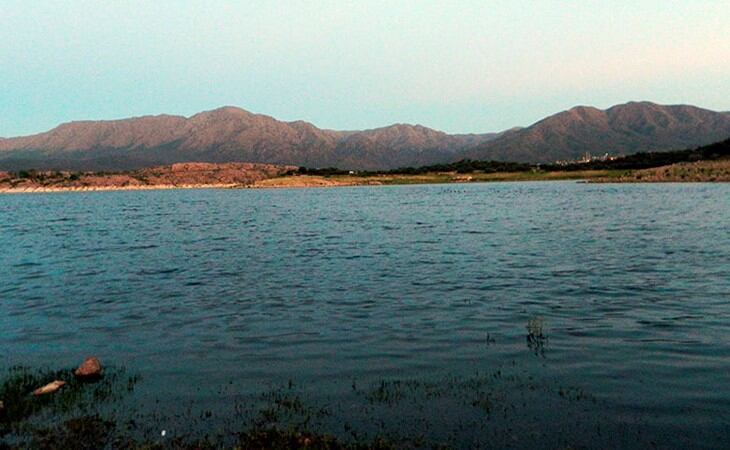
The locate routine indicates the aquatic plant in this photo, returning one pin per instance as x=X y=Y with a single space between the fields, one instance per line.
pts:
x=536 y=338
x=81 y=433
x=286 y=439
x=27 y=416
x=384 y=414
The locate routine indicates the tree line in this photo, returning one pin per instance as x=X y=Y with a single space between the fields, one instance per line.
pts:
x=643 y=160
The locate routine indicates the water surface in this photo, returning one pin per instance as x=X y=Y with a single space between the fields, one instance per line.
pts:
x=214 y=295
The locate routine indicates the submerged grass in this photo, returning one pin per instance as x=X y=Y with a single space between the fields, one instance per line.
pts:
x=536 y=337
x=81 y=416
x=20 y=405
x=388 y=414
x=67 y=419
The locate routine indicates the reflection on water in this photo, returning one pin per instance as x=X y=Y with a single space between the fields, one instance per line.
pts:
x=391 y=307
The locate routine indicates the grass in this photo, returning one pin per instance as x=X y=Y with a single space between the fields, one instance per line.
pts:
x=76 y=395
x=68 y=418
x=386 y=414
x=699 y=171
x=435 y=178
x=453 y=177
x=75 y=417
x=67 y=180
x=536 y=338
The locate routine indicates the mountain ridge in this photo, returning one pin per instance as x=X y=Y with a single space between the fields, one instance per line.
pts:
x=233 y=134
x=621 y=129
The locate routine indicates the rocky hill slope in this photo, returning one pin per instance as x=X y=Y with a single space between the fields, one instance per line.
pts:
x=226 y=135
x=175 y=175
x=620 y=130
x=232 y=134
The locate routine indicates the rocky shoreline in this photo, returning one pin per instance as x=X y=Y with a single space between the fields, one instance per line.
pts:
x=267 y=176
x=176 y=176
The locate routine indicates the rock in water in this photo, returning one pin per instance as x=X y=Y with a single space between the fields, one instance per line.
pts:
x=50 y=388
x=89 y=369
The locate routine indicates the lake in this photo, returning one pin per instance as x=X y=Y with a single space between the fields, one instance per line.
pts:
x=523 y=315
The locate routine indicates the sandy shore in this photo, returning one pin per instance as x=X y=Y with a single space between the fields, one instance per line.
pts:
x=41 y=189
x=703 y=171
x=310 y=181
x=274 y=183
x=317 y=181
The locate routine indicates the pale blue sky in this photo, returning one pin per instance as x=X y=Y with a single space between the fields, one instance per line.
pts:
x=459 y=66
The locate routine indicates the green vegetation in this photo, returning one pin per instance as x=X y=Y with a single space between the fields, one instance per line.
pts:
x=636 y=161
x=68 y=418
x=81 y=416
x=463 y=166
x=453 y=177
x=44 y=177
x=536 y=338
x=700 y=171
x=469 y=166
x=712 y=152
x=20 y=405
x=87 y=415
x=625 y=168
x=325 y=171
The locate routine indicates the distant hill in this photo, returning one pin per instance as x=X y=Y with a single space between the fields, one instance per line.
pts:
x=232 y=134
x=226 y=135
x=719 y=151
x=622 y=129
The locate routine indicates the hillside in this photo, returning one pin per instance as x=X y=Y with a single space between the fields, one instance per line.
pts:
x=172 y=176
x=622 y=129
x=226 y=135
x=232 y=134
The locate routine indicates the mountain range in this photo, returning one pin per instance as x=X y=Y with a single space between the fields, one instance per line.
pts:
x=232 y=134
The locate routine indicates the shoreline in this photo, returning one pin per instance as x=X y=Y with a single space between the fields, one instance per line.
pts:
x=329 y=181
x=156 y=187
x=333 y=181
x=273 y=186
